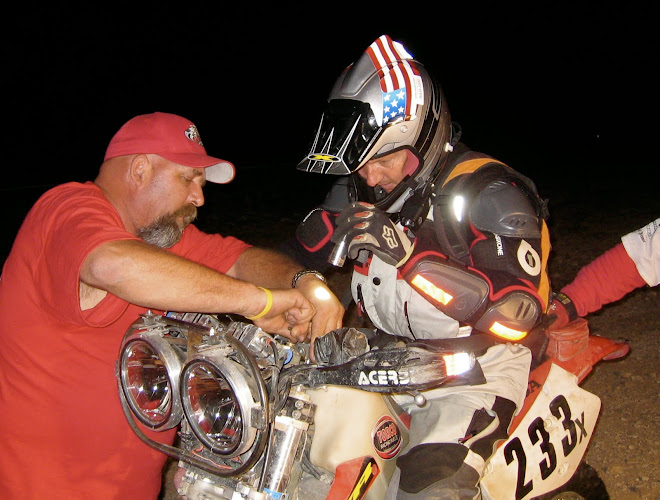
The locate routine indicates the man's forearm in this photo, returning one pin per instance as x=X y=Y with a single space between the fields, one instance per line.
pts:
x=148 y=276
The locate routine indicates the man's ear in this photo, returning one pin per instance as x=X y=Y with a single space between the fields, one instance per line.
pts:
x=140 y=170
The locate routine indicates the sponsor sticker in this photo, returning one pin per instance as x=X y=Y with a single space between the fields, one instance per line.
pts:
x=386 y=437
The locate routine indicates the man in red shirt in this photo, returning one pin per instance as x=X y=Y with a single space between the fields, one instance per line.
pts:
x=88 y=259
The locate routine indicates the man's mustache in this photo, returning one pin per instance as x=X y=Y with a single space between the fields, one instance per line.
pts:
x=188 y=212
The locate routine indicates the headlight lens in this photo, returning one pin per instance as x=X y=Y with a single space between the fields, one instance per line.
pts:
x=149 y=370
x=221 y=402
x=213 y=407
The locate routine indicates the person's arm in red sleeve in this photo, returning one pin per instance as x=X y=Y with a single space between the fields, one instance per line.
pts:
x=606 y=279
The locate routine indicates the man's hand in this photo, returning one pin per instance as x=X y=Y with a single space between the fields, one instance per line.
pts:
x=366 y=227
x=329 y=311
x=289 y=315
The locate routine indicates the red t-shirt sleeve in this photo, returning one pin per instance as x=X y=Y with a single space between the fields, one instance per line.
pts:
x=606 y=279
x=213 y=250
x=63 y=233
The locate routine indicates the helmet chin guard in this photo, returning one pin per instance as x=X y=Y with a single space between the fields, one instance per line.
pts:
x=384 y=102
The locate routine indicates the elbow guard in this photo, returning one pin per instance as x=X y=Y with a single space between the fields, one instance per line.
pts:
x=316 y=229
x=465 y=296
x=510 y=317
x=318 y=226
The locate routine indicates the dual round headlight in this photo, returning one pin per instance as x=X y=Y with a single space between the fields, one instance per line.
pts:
x=215 y=393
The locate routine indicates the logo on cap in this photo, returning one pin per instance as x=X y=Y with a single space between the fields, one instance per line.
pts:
x=193 y=134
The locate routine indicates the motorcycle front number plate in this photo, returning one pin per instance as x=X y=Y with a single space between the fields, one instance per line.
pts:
x=548 y=445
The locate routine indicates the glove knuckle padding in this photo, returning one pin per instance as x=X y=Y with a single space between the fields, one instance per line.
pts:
x=346 y=217
x=367 y=228
x=362 y=241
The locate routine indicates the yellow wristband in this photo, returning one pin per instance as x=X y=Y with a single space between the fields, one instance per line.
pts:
x=269 y=304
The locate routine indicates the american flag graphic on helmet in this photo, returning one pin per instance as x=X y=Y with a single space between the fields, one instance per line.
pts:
x=399 y=79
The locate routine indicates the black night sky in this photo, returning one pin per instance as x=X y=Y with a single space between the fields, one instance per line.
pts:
x=566 y=95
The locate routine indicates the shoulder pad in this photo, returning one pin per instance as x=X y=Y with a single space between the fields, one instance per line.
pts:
x=502 y=208
x=506 y=192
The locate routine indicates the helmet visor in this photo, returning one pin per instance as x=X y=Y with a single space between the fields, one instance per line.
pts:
x=348 y=129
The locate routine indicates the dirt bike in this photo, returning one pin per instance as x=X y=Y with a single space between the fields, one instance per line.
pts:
x=257 y=419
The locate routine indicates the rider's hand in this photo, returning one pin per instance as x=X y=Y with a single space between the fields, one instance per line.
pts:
x=290 y=314
x=560 y=313
x=366 y=227
x=329 y=311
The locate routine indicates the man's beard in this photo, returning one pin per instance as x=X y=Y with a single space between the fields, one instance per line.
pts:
x=168 y=229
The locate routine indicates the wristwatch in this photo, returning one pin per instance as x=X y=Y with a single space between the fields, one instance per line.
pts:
x=304 y=272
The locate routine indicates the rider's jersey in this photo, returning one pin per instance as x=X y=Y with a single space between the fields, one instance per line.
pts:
x=395 y=307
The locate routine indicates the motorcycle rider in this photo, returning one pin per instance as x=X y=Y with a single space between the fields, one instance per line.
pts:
x=628 y=265
x=447 y=242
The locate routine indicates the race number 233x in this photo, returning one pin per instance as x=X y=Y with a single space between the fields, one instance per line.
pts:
x=574 y=432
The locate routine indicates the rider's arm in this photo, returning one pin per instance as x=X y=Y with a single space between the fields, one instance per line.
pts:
x=311 y=245
x=148 y=276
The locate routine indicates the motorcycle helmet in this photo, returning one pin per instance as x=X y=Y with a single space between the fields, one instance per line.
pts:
x=384 y=102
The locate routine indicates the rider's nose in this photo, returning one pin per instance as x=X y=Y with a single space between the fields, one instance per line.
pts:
x=373 y=175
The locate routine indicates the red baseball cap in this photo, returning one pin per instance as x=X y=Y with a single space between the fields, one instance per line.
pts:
x=174 y=138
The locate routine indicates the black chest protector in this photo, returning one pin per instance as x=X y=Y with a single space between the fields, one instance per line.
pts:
x=482 y=259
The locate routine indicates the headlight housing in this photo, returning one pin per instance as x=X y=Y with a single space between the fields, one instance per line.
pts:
x=221 y=402
x=149 y=370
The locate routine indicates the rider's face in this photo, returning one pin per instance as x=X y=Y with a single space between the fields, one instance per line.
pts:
x=387 y=171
